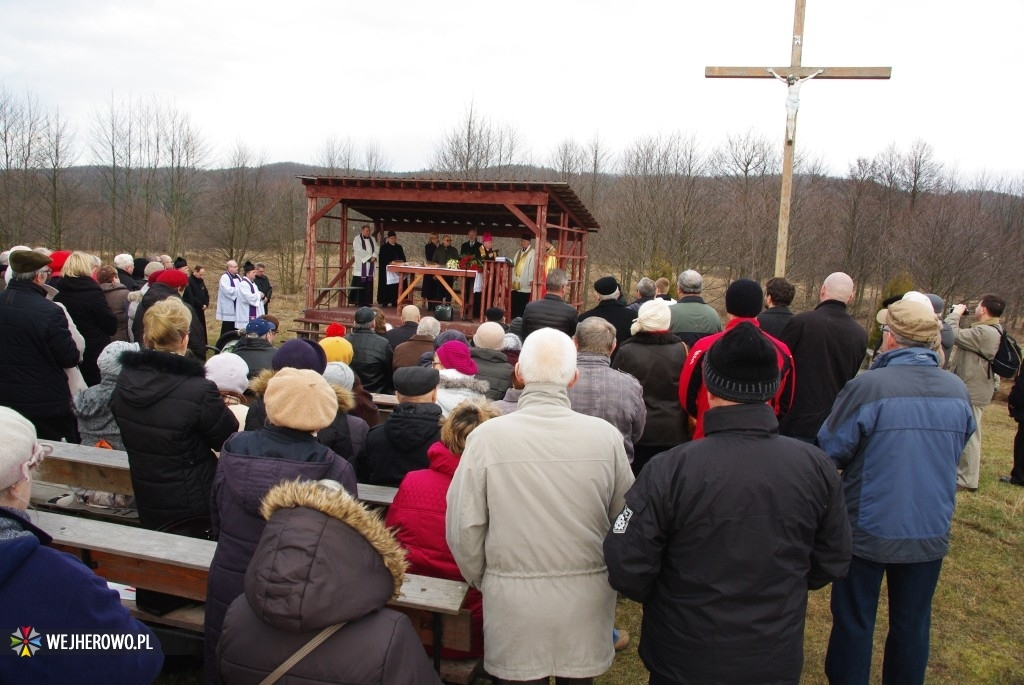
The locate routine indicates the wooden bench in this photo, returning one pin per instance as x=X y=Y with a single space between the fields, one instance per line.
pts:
x=179 y=566
x=95 y=468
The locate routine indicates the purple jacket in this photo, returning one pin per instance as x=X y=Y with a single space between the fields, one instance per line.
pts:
x=250 y=464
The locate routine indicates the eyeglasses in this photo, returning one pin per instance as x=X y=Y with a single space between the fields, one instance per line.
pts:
x=46 y=271
x=436 y=365
x=886 y=329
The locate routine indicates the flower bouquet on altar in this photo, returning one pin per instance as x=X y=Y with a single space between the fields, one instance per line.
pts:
x=470 y=261
x=451 y=264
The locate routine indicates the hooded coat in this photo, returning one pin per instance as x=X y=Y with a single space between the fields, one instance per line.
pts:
x=323 y=559
x=250 y=464
x=171 y=419
x=656 y=360
x=54 y=592
x=400 y=444
x=417 y=516
x=85 y=302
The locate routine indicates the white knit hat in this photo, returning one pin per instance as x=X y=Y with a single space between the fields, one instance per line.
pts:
x=19 y=451
x=228 y=372
x=109 y=361
x=654 y=315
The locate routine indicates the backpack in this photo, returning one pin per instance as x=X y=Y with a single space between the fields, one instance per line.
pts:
x=1007 y=360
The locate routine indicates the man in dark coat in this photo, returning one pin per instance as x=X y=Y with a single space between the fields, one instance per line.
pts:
x=390 y=251
x=263 y=284
x=256 y=348
x=611 y=309
x=371 y=358
x=35 y=348
x=399 y=445
x=410 y=322
x=778 y=295
x=828 y=346
x=700 y=517
x=552 y=311
x=197 y=297
x=491 y=363
x=125 y=264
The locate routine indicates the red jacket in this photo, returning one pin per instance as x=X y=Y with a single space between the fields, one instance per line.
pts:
x=418 y=513
x=693 y=395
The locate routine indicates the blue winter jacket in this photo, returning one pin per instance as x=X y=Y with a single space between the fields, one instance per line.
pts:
x=51 y=592
x=897 y=432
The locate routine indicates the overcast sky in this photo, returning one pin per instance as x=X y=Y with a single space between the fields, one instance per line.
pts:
x=284 y=76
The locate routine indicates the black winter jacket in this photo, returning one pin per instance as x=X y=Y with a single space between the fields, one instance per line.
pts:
x=720 y=539
x=257 y=353
x=35 y=348
x=171 y=420
x=371 y=360
x=550 y=312
x=656 y=360
x=400 y=444
x=615 y=313
x=250 y=464
x=87 y=305
x=828 y=346
x=196 y=295
x=493 y=367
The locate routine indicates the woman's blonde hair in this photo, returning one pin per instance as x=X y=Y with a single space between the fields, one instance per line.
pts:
x=166 y=324
x=466 y=416
x=78 y=264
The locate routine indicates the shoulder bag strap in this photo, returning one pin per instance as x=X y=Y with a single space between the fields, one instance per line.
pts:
x=298 y=656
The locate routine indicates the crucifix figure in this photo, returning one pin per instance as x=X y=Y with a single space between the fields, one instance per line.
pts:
x=792 y=99
x=795 y=76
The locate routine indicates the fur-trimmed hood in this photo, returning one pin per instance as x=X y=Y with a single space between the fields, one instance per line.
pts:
x=323 y=558
x=450 y=379
x=258 y=385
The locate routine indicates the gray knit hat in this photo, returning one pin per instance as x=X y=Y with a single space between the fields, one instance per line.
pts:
x=742 y=366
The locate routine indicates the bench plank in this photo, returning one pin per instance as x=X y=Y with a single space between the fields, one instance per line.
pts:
x=99 y=469
x=180 y=565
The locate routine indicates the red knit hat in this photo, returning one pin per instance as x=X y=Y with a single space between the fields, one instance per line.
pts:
x=455 y=355
x=172 y=278
x=335 y=330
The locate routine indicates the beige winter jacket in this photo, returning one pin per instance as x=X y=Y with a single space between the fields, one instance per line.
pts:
x=529 y=506
x=973 y=349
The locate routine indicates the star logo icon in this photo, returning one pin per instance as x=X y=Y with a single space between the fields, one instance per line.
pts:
x=26 y=641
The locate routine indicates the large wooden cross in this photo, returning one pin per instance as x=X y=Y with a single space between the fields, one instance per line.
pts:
x=794 y=76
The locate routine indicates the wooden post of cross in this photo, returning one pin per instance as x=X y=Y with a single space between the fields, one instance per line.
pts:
x=794 y=76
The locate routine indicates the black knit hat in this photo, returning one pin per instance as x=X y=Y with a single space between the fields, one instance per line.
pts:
x=606 y=285
x=180 y=262
x=742 y=366
x=744 y=298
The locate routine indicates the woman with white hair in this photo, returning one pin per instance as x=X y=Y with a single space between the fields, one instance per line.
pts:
x=52 y=591
x=655 y=357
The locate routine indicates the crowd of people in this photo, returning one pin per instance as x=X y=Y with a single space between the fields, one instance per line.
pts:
x=713 y=469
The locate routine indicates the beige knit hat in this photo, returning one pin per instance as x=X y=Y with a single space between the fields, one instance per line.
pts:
x=300 y=399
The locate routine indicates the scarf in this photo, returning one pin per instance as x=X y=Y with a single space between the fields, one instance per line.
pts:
x=367 y=268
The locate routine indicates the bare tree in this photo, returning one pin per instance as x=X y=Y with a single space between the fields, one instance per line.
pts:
x=186 y=154
x=240 y=210
x=336 y=156
x=62 y=197
x=920 y=172
x=377 y=161
x=476 y=149
x=21 y=124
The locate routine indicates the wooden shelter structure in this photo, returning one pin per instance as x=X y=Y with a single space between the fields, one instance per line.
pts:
x=338 y=206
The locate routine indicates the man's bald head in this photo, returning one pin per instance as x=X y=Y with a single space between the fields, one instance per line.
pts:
x=838 y=286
